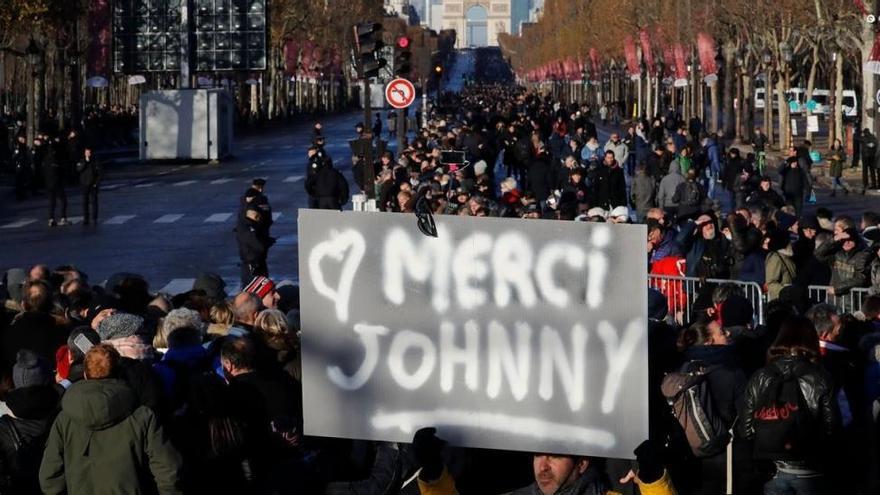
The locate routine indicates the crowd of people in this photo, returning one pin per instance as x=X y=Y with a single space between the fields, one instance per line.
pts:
x=111 y=388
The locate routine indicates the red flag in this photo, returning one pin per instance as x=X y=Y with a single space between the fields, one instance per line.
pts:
x=291 y=56
x=632 y=59
x=681 y=75
x=647 y=53
x=860 y=4
x=873 y=63
x=707 y=51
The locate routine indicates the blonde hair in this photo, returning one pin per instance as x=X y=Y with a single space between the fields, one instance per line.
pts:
x=271 y=326
x=222 y=317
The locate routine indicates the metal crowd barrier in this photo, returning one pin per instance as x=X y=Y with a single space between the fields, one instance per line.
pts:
x=681 y=292
x=847 y=303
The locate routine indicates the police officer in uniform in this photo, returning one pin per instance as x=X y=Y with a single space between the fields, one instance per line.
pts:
x=253 y=246
x=90 y=171
x=327 y=187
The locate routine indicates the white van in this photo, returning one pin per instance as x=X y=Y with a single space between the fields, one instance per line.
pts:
x=823 y=98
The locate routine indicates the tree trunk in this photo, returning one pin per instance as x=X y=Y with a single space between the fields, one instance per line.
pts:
x=837 y=108
x=811 y=85
x=713 y=103
x=738 y=108
x=869 y=86
x=730 y=75
x=784 y=136
x=768 y=107
x=748 y=121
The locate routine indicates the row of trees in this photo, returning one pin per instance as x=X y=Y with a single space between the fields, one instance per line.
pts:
x=777 y=43
x=45 y=50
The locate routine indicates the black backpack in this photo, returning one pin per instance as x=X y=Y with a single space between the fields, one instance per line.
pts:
x=785 y=428
x=688 y=394
x=692 y=195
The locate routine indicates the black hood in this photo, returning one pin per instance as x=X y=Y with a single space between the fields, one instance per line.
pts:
x=34 y=402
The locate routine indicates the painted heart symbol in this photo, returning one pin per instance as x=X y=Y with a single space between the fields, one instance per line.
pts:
x=347 y=247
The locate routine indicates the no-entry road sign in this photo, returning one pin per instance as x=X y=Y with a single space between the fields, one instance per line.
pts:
x=400 y=93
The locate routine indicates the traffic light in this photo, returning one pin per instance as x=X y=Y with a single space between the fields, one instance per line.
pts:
x=402 y=57
x=368 y=37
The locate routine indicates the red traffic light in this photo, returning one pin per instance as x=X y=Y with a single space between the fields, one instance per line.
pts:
x=403 y=42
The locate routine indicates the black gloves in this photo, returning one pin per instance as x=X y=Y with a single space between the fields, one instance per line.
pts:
x=426 y=448
x=650 y=464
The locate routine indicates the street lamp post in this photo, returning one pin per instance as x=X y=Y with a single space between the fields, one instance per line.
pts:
x=32 y=54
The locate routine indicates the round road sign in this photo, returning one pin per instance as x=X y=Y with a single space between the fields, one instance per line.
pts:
x=400 y=93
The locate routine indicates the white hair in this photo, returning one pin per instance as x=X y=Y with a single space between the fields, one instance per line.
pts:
x=180 y=318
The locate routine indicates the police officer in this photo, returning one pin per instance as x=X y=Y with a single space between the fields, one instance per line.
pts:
x=53 y=174
x=253 y=247
x=255 y=196
x=327 y=187
x=21 y=166
x=90 y=171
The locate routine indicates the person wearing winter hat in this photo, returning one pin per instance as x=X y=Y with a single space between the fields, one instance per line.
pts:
x=104 y=441
x=14 y=279
x=212 y=285
x=123 y=332
x=619 y=214
x=848 y=259
x=264 y=288
x=33 y=404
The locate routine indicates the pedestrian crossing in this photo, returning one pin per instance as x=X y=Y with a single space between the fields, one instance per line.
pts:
x=166 y=219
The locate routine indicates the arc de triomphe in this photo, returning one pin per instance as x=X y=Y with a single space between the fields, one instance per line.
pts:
x=477 y=22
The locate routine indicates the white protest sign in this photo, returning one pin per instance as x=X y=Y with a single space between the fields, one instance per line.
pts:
x=813 y=123
x=502 y=333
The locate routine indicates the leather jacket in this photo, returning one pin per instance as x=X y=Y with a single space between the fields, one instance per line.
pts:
x=815 y=384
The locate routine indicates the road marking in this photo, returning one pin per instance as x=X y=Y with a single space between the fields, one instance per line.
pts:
x=184 y=183
x=221 y=181
x=146 y=184
x=178 y=286
x=276 y=215
x=75 y=220
x=170 y=218
x=19 y=223
x=294 y=178
x=218 y=218
x=111 y=187
x=118 y=219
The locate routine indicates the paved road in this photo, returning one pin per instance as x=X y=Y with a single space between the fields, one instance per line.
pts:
x=169 y=223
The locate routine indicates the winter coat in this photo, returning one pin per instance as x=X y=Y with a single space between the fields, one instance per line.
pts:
x=688 y=209
x=104 y=443
x=23 y=436
x=713 y=156
x=836 y=159
x=668 y=186
x=875 y=277
x=705 y=258
x=51 y=166
x=251 y=247
x=616 y=186
x=621 y=150
x=590 y=153
x=795 y=183
x=869 y=149
x=90 y=171
x=540 y=177
x=780 y=272
x=643 y=193
x=816 y=386
x=769 y=199
x=329 y=187
x=727 y=381
x=848 y=269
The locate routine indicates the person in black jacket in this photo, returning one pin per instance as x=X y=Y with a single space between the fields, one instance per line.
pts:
x=794 y=355
x=328 y=187
x=21 y=167
x=34 y=403
x=54 y=177
x=706 y=345
x=540 y=175
x=794 y=181
x=90 y=171
x=252 y=247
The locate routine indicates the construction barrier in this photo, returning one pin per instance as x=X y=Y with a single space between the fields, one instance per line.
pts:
x=681 y=292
